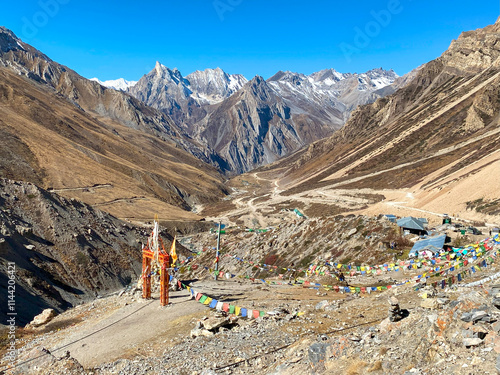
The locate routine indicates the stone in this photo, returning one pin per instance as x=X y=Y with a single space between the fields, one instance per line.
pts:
x=321 y=305
x=317 y=352
x=498 y=364
x=331 y=307
x=496 y=326
x=200 y=332
x=478 y=315
x=475 y=341
x=393 y=301
x=466 y=317
x=467 y=334
x=429 y=303
x=352 y=232
x=214 y=323
x=488 y=319
x=46 y=316
x=496 y=302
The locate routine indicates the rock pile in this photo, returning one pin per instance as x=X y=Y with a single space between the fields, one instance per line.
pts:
x=395 y=313
x=208 y=326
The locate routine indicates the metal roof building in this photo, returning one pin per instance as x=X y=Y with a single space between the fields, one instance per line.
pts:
x=411 y=223
x=433 y=244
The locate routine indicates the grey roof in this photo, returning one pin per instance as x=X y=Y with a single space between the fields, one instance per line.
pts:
x=433 y=244
x=410 y=223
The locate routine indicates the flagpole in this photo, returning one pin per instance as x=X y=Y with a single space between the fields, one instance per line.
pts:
x=217 y=253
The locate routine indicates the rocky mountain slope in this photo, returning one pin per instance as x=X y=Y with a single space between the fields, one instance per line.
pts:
x=90 y=95
x=64 y=251
x=438 y=133
x=131 y=169
x=337 y=94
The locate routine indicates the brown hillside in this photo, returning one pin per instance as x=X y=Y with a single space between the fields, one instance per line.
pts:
x=127 y=172
x=443 y=122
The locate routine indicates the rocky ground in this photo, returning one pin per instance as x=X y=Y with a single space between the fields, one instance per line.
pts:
x=307 y=331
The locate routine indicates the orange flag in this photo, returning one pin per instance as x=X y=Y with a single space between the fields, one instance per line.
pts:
x=173 y=254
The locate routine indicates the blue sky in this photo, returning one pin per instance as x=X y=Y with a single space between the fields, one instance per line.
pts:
x=112 y=39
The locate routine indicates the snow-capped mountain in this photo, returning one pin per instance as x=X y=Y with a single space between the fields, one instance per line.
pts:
x=290 y=110
x=182 y=97
x=266 y=120
x=214 y=85
x=117 y=84
x=332 y=91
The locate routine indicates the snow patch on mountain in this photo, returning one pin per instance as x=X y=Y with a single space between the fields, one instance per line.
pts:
x=117 y=84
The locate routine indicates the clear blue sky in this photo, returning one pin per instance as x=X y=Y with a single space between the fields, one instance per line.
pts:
x=112 y=39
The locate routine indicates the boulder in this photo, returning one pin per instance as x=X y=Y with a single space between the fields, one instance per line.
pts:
x=475 y=341
x=321 y=305
x=200 y=332
x=478 y=315
x=46 y=316
x=429 y=303
x=214 y=323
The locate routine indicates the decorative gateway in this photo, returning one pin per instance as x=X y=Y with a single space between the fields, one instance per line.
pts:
x=156 y=261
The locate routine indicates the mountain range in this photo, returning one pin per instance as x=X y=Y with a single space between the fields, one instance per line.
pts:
x=246 y=124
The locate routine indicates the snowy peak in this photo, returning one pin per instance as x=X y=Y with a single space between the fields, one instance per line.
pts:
x=172 y=75
x=328 y=76
x=117 y=84
x=214 y=85
x=379 y=78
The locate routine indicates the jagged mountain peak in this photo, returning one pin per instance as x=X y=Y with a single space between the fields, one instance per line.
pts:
x=474 y=50
x=163 y=72
x=10 y=42
x=287 y=76
x=214 y=85
x=258 y=86
x=257 y=80
x=328 y=76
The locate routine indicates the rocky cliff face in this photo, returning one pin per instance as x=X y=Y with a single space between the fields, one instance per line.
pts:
x=64 y=251
x=251 y=128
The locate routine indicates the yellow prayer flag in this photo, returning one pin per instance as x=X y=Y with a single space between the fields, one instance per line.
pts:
x=207 y=301
x=173 y=254
x=237 y=310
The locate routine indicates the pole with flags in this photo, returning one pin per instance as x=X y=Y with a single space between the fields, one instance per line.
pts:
x=217 y=253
